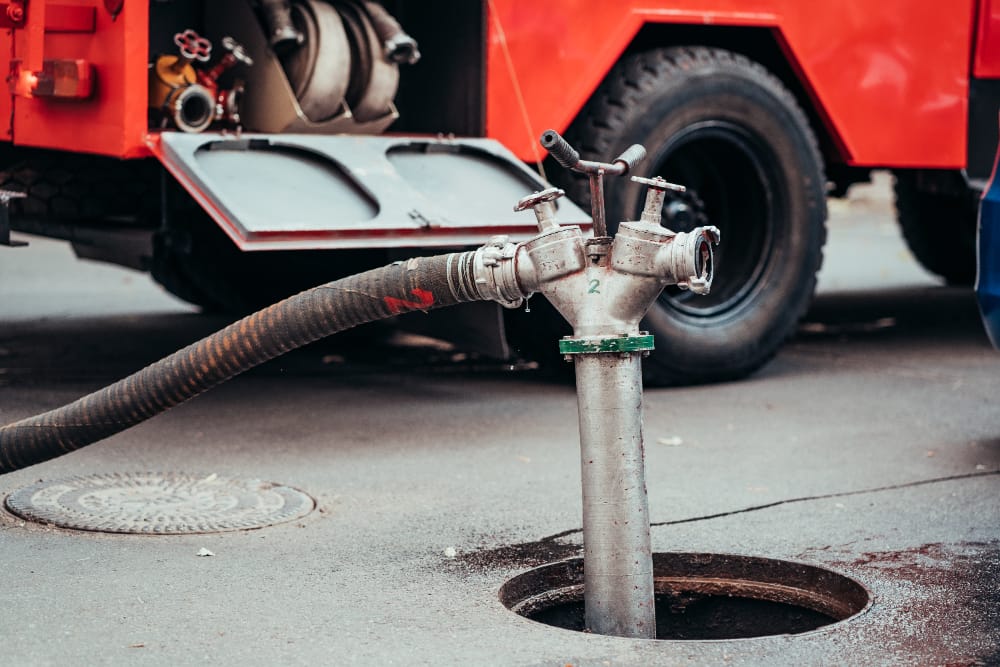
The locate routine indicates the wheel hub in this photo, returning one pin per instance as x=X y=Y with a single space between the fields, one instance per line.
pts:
x=683 y=211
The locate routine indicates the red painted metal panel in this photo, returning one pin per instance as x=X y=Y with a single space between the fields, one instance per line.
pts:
x=58 y=18
x=6 y=99
x=891 y=77
x=34 y=27
x=113 y=121
x=986 y=60
x=70 y=18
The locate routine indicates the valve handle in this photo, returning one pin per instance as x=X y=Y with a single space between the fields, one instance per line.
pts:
x=632 y=156
x=658 y=183
x=193 y=47
x=559 y=149
x=655 y=194
x=237 y=50
x=545 y=210
x=533 y=200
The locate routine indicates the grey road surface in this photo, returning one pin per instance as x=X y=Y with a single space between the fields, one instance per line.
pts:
x=870 y=445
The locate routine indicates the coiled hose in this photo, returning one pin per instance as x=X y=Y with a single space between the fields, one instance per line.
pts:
x=423 y=283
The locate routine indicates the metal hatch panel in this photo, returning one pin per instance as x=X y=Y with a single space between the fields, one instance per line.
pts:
x=295 y=192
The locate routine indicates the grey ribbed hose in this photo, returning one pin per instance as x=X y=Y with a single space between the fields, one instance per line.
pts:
x=423 y=283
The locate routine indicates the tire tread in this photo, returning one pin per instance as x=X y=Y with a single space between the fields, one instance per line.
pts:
x=619 y=100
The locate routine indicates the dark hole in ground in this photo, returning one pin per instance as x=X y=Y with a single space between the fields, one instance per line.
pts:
x=703 y=596
x=707 y=617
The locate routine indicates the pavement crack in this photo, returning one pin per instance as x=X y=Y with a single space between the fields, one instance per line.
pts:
x=792 y=501
x=549 y=549
x=825 y=496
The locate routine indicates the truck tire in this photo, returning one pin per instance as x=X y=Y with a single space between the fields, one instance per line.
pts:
x=939 y=227
x=73 y=187
x=195 y=260
x=731 y=132
x=65 y=190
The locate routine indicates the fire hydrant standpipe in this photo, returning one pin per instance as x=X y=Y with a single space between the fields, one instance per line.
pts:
x=617 y=550
x=602 y=286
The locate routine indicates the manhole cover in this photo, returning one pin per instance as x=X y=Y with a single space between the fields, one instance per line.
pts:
x=703 y=596
x=158 y=503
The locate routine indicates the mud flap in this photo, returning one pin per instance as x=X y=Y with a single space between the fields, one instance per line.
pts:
x=296 y=192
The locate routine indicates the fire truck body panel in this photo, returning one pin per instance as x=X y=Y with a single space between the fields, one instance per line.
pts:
x=986 y=61
x=890 y=79
x=877 y=82
x=113 y=121
x=346 y=192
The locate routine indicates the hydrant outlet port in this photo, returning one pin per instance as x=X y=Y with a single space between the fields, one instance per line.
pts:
x=691 y=260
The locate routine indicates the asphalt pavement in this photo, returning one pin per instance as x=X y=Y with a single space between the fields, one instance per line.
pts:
x=870 y=445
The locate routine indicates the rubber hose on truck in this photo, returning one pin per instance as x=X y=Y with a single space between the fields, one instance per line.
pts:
x=423 y=283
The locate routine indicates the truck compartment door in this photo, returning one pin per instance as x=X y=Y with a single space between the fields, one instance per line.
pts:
x=288 y=192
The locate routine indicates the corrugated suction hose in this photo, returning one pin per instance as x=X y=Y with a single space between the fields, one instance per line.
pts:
x=423 y=284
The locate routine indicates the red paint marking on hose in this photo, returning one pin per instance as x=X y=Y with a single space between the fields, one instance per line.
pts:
x=424 y=301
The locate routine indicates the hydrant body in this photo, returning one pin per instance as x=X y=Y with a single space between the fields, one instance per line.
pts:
x=603 y=286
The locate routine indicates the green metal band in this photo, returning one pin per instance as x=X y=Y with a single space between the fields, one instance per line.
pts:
x=604 y=345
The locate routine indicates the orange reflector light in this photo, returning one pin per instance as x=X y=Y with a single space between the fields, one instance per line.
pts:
x=62 y=78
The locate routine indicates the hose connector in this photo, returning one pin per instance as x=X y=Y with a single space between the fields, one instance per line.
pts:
x=494 y=272
x=192 y=108
x=689 y=259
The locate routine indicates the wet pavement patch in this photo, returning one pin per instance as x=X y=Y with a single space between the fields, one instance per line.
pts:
x=950 y=588
x=703 y=596
x=517 y=556
x=158 y=503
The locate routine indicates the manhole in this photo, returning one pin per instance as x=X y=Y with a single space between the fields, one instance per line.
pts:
x=703 y=596
x=159 y=503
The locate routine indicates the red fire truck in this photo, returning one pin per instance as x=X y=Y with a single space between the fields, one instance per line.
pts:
x=243 y=149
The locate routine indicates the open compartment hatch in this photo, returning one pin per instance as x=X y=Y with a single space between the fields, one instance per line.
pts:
x=290 y=192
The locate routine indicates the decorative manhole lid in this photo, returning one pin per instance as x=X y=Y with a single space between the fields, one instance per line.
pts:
x=159 y=503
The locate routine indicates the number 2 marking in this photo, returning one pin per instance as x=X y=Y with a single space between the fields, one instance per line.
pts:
x=594 y=284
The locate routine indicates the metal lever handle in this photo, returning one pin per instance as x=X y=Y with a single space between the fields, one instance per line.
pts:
x=632 y=156
x=657 y=183
x=559 y=149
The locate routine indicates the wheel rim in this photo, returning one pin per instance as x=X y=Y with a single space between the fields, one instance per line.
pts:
x=734 y=183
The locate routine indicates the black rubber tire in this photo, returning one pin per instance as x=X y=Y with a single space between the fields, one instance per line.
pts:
x=730 y=130
x=939 y=227
x=75 y=187
x=196 y=261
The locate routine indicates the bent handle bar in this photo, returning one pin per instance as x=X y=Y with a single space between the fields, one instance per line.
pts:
x=569 y=157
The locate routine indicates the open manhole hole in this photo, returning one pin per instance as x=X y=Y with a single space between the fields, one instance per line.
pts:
x=159 y=503
x=703 y=596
